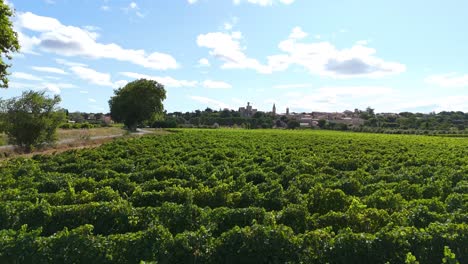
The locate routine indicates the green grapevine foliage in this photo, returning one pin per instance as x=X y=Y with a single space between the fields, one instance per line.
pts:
x=237 y=196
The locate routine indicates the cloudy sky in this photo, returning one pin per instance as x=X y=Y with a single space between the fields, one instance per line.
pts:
x=307 y=55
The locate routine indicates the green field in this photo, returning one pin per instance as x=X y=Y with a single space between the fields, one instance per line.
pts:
x=240 y=196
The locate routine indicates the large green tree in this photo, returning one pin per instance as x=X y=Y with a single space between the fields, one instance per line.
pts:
x=8 y=41
x=31 y=119
x=136 y=102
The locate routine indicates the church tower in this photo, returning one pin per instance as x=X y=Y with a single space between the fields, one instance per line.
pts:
x=274 y=110
x=287 y=111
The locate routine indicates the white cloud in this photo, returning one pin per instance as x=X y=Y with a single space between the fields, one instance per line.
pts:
x=53 y=36
x=69 y=63
x=52 y=77
x=166 y=81
x=450 y=80
x=228 y=26
x=51 y=87
x=25 y=76
x=211 y=102
x=321 y=58
x=21 y=85
x=37 y=23
x=292 y=86
x=27 y=43
x=452 y=103
x=57 y=87
x=227 y=47
x=49 y=70
x=133 y=7
x=92 y=76
x=355 y=91
x=324 y=59
x=362 y=42
x=92 y=28
x=204 y=62
x=236 y=35
x=121 y=83
x=216 y=84
x=91 y=100
x=83 y=92
x=231 y=23
x=192 y=1
x=65 y=85
x=297 y=33
x=105 y=8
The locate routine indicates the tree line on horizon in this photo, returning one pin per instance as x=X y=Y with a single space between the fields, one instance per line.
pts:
x=399 y=123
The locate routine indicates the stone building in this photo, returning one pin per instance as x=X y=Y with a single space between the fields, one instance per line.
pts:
x=247 y=111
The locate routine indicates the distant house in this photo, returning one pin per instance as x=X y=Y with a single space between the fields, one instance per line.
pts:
x=107 y=119
x=305 y=120
x=349 y=121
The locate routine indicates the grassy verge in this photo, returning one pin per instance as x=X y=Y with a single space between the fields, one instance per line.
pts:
x=3 y=139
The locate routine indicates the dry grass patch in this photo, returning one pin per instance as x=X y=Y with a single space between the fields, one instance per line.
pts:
x=66 y=134
x=78 y=139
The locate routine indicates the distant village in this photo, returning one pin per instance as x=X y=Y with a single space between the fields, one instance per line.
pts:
x=305 y=119
x=311 y=119
x=251 y=118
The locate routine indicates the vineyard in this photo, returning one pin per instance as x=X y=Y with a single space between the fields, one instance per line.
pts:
x=240 y=196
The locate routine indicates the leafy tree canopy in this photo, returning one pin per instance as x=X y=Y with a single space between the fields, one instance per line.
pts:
x=8 y=41
x=31 y=119
x=293 y=124
x=136 y=102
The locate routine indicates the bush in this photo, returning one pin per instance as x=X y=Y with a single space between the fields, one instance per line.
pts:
x=66 y=126
x=31 y=119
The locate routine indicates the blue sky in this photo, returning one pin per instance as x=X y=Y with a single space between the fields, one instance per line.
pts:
x=306 y=55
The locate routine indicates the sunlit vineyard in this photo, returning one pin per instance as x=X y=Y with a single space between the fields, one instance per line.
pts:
x=239 y=196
